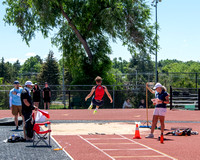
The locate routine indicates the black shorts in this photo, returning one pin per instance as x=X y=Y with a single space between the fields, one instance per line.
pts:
x=36 y=99
x=47 y=99
x=97 y=102
x=27 y=116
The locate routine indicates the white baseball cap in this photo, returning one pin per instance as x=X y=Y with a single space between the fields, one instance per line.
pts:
x=157 y=86
x=28 y=83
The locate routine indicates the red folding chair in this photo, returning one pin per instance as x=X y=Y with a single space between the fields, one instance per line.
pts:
x=40 y=135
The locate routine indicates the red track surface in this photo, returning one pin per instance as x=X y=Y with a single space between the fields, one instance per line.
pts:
x=115 y=114
x=179 y=147
x=89 y=147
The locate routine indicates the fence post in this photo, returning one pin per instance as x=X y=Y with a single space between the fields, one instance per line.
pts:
x=196 y=80
x=63 y=98
x=69 y=99
x=198 y=98
x=171 y=97
x=157 y=77
x=113 y=96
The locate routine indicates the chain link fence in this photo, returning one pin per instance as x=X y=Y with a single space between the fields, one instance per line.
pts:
x=133 y=87
x=73 y=96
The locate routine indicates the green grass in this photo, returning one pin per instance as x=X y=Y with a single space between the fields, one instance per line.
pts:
x=56 y=106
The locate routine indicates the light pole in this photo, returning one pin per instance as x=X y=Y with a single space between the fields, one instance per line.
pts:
x=155 y=4
x=63 y=75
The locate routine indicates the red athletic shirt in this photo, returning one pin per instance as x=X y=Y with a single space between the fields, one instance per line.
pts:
x=99 y=92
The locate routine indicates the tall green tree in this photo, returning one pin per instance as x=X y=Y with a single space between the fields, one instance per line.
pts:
x=32 y=65
x=84 y=29
x=50 y=70
x=16 y=68
x=121 y=65
x=139 y=65
x=6 y=71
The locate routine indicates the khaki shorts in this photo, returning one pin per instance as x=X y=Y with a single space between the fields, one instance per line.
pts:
x=16 y=110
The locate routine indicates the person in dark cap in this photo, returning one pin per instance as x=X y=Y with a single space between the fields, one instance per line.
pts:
x=15 y=102
x=27 y=108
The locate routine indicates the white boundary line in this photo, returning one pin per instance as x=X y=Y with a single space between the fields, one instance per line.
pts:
x=102 y=138
x=61 y=147
x=148 y=147
x=131 y=149
x=96 y=147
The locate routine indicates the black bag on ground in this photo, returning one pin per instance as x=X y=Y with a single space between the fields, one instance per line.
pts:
x=15 y=138
x=181 y=132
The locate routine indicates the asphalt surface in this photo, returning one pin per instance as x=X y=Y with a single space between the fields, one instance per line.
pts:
x=25 y=150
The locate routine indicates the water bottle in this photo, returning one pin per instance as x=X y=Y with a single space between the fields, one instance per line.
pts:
x=13 y=137
x=46 y=125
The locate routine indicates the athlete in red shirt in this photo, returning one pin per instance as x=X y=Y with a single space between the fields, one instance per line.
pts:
x=99 y=93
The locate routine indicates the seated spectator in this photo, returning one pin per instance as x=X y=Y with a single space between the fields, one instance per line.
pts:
x=142 y=104
x=127 y=104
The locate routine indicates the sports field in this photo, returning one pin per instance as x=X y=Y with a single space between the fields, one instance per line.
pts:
x=109 y=135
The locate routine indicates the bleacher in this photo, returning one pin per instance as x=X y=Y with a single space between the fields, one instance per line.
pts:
x=184 y=98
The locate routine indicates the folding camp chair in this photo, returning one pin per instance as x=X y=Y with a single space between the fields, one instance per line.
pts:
x=43 y=136
x=40 y=135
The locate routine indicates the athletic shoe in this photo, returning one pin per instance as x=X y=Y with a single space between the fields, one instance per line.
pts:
x=16 y=127
x=95 y=111
x=90 y=107
x=150 y=136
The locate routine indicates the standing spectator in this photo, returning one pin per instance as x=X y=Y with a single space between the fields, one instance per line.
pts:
x=127 y=104
x=161 y=100
x=46 y=95
x=15 y=102
x=36 y=95
x=27 y=107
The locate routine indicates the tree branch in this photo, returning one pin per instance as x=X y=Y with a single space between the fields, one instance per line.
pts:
x=94 y=16
x=79 y=36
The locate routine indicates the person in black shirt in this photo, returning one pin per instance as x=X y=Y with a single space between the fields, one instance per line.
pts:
x=36 y=95
x=27 y=107
x=46 y=95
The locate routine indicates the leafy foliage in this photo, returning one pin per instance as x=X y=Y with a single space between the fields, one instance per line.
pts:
x=83 y=29
x=6 y=71
x=32 y=65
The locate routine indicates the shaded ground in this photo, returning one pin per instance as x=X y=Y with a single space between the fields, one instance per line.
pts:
x=24 y=150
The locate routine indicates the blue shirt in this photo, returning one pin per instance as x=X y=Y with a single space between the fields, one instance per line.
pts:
x=162 y=97
x=16 y=98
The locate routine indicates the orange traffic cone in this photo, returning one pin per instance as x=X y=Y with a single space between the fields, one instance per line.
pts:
x=161 y=139
x=137 y=133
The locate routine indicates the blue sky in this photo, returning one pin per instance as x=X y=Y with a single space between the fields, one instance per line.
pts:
x=179 y=35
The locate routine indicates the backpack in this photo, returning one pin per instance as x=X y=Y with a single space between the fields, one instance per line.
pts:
x=15 y=138
x=181 y=132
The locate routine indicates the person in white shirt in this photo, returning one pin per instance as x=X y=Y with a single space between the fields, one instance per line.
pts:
x=127 y=104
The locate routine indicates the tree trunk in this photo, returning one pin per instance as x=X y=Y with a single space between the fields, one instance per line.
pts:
x=79 y=36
